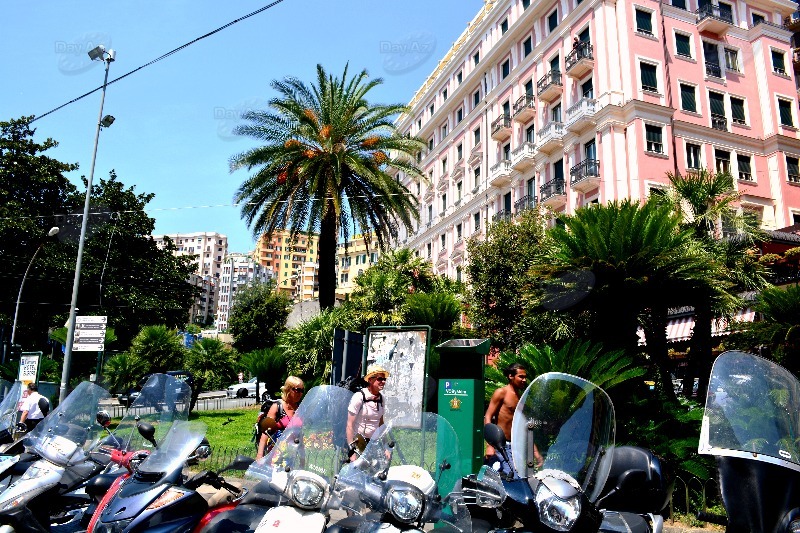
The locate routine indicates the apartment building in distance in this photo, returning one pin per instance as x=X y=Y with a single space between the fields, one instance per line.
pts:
x=352 y=262
x=286 y=260
x=210 y=249
x=238 y=270
x=565 y=103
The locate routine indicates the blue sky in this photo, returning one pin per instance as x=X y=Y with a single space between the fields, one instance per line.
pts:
x=172 y=134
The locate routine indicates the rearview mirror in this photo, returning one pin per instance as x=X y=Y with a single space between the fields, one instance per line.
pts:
x=494 y=436
x=241 y=462
x=103 y=418
x=147 y=431
x=202 y=452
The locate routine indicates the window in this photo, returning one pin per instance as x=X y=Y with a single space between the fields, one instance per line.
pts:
x=444 y=203
x=458 y=274
x=778 y=62
x=476 y=135
x=758 y=19
x=459 y=77
x=653 y=138
x=716 y=102
x=459 y=115
x=443 y=240
x=785 y=111
x=476 y=220
x=507 y=152
x=459 y=191
x=584 y=36
x=644 y=22
x=688 y=100
x=527 y=46
x=526 y=4
x=429 y=249
x=743 y=162
x=555 y=113
x=737 y=110
x=552 y=20
x=732 y=59
x=681 y=4
x=683 y=45
x=529 y=88
x=503 y=26
x=476 y=99
x=444 y=131
x=722 y=160
x=459 y=152
x=476 y=58
x=649 y=77
x=430 y=144
x=529 y=134
x=432 y=109
x=477 y=175
x=505 y=68
x=444 y=166
x=558 y=171
x=458 y=231
x=430 y=212
x=587 y=89
x=444 y=94
x=793 y=169
x=693 y=156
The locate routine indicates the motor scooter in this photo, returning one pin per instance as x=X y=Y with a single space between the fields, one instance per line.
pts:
x=14 y=461
x=562 y=449
x=751 y=426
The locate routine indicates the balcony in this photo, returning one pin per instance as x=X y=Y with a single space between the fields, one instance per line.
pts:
x=585 y=176
x=580 y=61
x=551 y=137
x=525 y=203
x=500 y=173
x=796 y=60
x=550 y=87
x=443 y=184
x=522 y=156
x=719 y=122
x=553 y=193
x=524 y=108
x=713 y=70
x=792 y=22
x=501 y=128
x=580 y=116
x=501 y=216
x=714 y=19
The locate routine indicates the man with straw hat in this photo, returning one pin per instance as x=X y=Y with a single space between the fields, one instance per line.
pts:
x=366 y=410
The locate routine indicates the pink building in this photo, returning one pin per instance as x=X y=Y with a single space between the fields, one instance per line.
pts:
x=568 y=103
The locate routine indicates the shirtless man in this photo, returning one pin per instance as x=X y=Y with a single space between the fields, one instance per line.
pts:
x=501 y=411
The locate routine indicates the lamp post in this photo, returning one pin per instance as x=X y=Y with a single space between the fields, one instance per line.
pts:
x=98 y=53
x=54 y=230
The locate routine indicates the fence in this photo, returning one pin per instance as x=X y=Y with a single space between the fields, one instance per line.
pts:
x=204 y=404
x=687 y=493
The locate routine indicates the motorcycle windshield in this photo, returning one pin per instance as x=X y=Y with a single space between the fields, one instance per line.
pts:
x=424 y=454
x=752 y=411
x=315 y=439
x=181 y=440
x=8 y=407
x=69 y=431
x=565 y=423
x=162 y=400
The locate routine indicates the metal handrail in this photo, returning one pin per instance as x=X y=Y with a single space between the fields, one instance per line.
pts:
x=581 y=50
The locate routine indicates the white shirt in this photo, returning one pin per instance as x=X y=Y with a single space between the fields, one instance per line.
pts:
x=368 y=414
x=31 y=404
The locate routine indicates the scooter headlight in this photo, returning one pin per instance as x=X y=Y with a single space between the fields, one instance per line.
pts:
x=554 y=512
x=307 y=492
x=117 y=526
x=405 y=503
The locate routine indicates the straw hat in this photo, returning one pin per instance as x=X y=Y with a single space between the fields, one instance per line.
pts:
x=375 y=369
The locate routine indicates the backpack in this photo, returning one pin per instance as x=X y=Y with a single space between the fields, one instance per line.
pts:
x=44 y=405
x=352 y=383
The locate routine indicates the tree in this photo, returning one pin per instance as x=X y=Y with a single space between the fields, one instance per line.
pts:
x=258 y=316
x=212 y=365
x=498 y=275
x=439 y=310
x=160 y=348
x=269 y=366
x=123 y=371
x=323 y=166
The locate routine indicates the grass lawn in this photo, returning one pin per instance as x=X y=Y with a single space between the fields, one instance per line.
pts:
x=231 y=428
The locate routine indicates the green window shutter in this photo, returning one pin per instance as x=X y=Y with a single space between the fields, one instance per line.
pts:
x=717 y=104
x=682 y=45
x=743 y=162
x=687 y=98
x=777 y=61
x=649 y=79
x=785 y=109
x=644 y=21
x=737 y=109
x=792 y=166
x=653 y=133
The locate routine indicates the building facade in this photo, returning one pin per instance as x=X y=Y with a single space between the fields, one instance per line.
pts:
x=561 y=104
x=286 y=259
x=210 y=249
x=239 y=269
x=352 y=261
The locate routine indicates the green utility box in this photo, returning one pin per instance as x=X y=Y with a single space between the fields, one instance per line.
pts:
x=461 y=395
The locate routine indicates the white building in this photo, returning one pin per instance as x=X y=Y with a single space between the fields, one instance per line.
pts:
x=238 y=270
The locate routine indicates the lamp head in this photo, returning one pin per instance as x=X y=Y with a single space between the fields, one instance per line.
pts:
x=107 y=121
x=53 y=231
x=97 y=52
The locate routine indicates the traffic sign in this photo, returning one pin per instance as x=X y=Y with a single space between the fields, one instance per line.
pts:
x=87 y=347
x=91 y=319
x=90 y=334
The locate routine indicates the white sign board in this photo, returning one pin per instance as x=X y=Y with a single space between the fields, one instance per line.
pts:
x=90 y=334
x=28 y=369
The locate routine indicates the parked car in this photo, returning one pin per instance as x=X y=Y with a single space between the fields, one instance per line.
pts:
x=248 y=390
x=127 y=398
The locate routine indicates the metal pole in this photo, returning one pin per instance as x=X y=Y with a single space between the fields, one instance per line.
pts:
x=76 y=282
x=19 y=296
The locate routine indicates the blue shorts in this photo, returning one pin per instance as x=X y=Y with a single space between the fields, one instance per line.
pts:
x=499 y=464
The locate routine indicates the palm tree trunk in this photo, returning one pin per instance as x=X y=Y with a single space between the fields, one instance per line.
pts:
x=702 y=346
x=327 y=259
x=656 y=335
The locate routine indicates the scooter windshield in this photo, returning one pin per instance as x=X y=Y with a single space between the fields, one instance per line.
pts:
x=8 y=407
x=181 y=440
x=424 y=455
x=564 y=423
x=752 y=411
x=162 y=400
x=69 y=431
x=314 y=439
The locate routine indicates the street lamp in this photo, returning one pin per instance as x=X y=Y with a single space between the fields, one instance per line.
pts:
x=54 y=230
x=98 y=53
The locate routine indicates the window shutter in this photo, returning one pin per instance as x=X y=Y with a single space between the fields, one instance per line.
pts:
x=717 y=104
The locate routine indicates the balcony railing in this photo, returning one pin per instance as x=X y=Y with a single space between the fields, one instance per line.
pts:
x=580 y=115
x=714 y=70
x=501 y=122
x=725 y=14
x=501 y=215
x=582 y=50
x=524 y=107
x=550 y=82
x=526 y=202
x=719 y=122
x=585 y=169
x=552 y=188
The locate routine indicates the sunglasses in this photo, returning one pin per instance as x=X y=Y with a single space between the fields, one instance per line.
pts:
x=298 y=389
x=381 y=378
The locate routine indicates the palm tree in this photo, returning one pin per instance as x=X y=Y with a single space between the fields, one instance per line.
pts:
x=211 y=363
x=324 y=166
x=122 y=371
x=159 y=347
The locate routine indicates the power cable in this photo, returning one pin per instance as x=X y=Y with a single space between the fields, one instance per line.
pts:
x=256 y=12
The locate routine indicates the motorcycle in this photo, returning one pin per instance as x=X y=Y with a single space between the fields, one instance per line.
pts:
x=75 y=468
x=294 y=480
x=751 y=427
x=562 y=448
x=408 y=476
x=157 y=496
x=13 y=460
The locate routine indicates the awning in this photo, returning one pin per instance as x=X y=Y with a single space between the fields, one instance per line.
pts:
x=680 y=329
